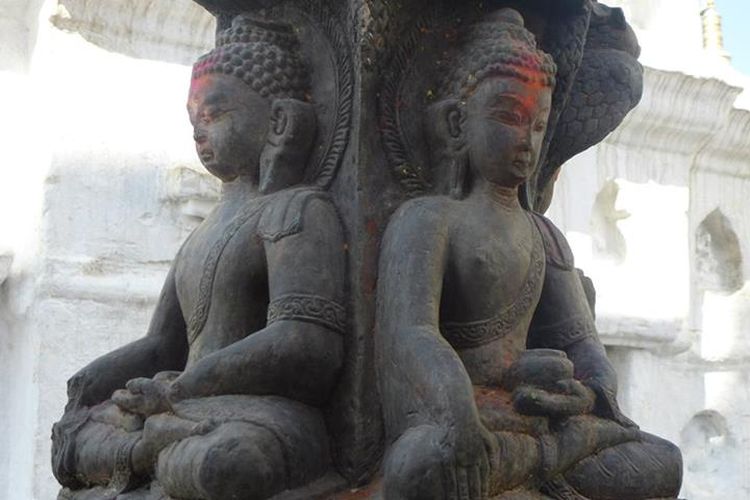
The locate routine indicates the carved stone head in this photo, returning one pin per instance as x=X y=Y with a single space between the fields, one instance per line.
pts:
x=492 y=114
x=249 y=105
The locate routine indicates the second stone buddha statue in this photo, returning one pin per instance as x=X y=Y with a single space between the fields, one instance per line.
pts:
x=492 y=376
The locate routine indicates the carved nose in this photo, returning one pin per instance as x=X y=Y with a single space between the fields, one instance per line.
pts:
x=525 y=145
x=199 y=137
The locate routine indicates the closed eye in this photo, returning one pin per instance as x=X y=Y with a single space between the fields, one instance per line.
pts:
x=211 y=114
x=508 y=117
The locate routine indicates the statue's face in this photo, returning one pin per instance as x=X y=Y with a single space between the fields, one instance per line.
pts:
x=506 y=119
x=230 y=125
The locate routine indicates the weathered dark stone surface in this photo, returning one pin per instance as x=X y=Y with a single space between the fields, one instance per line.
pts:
x=300 y=350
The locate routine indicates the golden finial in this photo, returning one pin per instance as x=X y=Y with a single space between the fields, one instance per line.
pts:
x=713 y=36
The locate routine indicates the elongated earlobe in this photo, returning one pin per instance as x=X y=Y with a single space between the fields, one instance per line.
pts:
x=446 y=123
x=290 y=136
x=454 y=122
x=279 y=120
x=446 y=137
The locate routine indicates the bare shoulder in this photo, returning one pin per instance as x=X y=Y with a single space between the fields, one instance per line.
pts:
x=296 y=211
x=321 y=210
x=421 y=214
x=420 y=223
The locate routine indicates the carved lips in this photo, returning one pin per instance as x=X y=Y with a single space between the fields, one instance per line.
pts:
x=206 y=155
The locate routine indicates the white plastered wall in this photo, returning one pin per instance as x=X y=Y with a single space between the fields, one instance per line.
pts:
x=98 y=188
x=682 y=353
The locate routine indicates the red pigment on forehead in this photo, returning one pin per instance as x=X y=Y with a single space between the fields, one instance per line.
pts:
x=199 y=84
x=201 y=89
x=532 y=88
x=528 y=100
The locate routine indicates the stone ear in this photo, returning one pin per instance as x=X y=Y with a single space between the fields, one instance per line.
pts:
x=447 y=120
x=291 y=133
x=455 y=128
x=279 y=121
x=446 y=126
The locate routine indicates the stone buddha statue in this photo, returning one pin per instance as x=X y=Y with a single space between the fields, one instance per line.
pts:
x=493 y=379
x=221 y=399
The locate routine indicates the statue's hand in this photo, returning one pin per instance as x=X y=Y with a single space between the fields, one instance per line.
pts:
x=568 y=397
x=470 y=452
x=542 y=383
x=542 y=368
x=146 y=396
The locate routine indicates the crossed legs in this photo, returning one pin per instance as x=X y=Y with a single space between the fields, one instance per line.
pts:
x=258 y=447
x=647 y=467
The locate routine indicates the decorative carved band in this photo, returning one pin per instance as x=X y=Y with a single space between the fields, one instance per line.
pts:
x=564 y=333
x=122 y=476
x=476 y=333
x=309 y=308
x=330 y=24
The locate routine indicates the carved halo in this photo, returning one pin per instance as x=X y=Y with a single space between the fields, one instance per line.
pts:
x=408 y=89
x=333 y=88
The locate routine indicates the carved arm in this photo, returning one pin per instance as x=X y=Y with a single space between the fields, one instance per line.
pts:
x=422 y=379
x=564 y=320
x=300 y=351
x=163 y=348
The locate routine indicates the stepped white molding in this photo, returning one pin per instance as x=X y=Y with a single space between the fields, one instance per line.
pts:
x=678 y=118
x=175 y=31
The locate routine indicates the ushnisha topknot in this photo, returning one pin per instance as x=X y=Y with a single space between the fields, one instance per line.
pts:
x=498 y=45
x=265 y=55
